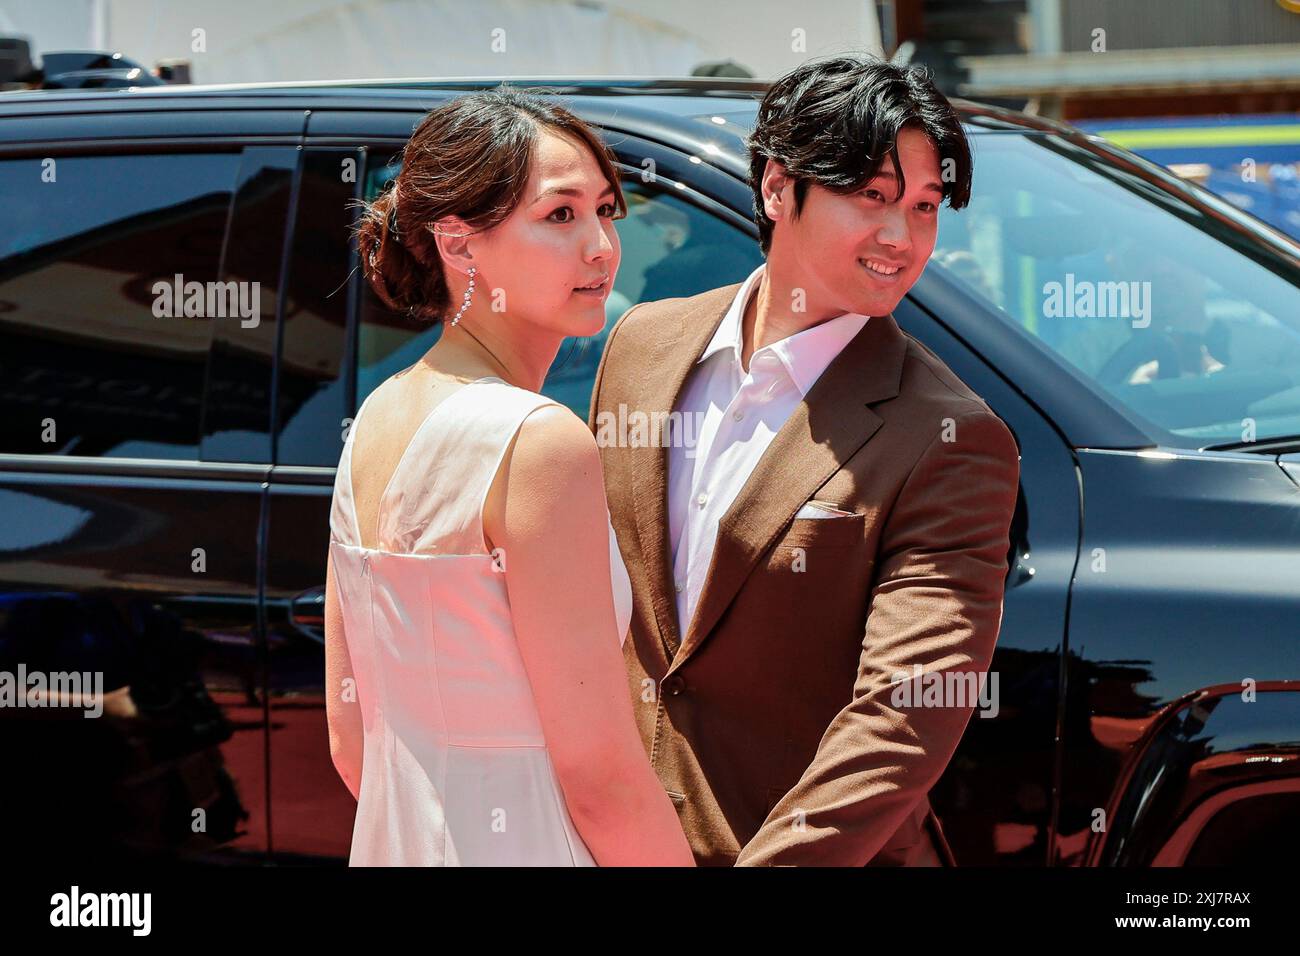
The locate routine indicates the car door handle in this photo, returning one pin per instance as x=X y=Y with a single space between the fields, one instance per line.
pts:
x=1019 y=570
x=307 y=613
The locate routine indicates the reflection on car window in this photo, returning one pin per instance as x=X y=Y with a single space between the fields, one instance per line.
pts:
x=95 y=361
x=670 y=247
x=312 y=388
x=1166 y=307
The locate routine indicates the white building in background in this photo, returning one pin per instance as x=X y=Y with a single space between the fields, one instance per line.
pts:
x=53 y=24
x=254 y=40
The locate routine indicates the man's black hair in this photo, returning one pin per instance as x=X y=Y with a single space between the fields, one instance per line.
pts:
x=833 y=121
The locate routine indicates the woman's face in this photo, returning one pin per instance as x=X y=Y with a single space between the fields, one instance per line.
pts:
x=560 y=238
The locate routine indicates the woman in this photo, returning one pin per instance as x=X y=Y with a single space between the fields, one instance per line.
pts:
x=476 y=600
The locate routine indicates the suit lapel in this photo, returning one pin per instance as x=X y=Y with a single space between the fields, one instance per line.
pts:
x=681 y=341
x=827 y=428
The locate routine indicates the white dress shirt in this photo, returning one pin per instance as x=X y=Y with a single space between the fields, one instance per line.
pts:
x=732 y=416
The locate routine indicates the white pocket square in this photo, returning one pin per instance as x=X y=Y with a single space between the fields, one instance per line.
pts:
x=822 y=509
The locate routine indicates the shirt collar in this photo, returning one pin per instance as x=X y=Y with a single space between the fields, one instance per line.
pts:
x=804 y=354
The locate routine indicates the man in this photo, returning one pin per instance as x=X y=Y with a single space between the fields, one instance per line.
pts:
x=826 y=532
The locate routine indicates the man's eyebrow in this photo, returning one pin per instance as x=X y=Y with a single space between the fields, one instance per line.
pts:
x=888 y=174
x=569 y=191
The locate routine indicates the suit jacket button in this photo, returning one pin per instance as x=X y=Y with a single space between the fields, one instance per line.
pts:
x=674 y=685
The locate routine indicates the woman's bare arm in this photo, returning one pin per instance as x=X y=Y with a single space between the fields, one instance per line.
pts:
x=342 y=712
x=547 y=511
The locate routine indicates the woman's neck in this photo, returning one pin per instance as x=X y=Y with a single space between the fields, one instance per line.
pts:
x=477 y=350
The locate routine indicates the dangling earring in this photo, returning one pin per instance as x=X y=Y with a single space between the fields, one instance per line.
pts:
x=465 y=301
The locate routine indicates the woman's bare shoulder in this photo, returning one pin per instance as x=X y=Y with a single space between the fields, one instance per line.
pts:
x=550 y=478
x=554 y=442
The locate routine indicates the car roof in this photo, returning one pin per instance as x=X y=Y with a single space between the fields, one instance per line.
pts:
x=692 y=95
x=698 y=116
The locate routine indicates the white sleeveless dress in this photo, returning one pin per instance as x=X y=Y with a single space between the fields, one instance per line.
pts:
x=456 y=771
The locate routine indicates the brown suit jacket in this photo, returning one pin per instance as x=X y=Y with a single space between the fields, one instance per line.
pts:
x=771 y=721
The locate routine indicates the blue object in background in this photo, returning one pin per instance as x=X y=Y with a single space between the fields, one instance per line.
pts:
x=1253 y=161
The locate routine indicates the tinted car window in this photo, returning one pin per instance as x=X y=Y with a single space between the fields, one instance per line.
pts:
x=237 y=406
x=100 y=354
x=1165 y=307
x=312 y=395
x=670 y=247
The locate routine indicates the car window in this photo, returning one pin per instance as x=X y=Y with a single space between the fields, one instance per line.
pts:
x=670 y=247
x=1167 y=307
x=312 y=394
x=237 y=424
x=108 y=268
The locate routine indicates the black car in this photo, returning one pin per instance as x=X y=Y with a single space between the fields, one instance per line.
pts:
x=166 y=469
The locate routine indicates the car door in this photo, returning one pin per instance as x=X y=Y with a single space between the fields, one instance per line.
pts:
x=134 y=447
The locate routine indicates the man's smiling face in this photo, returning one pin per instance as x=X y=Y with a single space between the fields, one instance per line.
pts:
x=861 y=251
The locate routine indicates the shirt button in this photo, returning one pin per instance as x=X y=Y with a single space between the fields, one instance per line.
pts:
x=738 y=415
x=678 y=586
x=702 y=500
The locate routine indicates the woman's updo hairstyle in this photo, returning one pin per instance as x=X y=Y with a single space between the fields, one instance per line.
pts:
x=469 y=157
